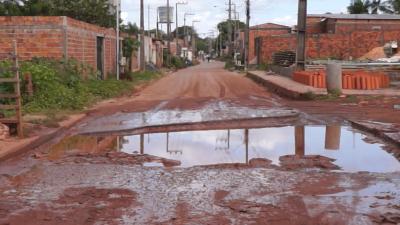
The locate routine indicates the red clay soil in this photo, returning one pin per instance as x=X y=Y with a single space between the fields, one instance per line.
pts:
x=112 y=188
x=380 y=109
x=192 y=88
x=84 y=206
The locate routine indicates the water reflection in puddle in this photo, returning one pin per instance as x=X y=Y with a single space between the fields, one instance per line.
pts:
x=351 y=151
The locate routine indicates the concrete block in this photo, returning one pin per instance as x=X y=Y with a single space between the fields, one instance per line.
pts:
x=334 y=77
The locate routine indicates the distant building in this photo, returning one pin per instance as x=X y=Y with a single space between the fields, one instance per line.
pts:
x=337 y=36
x=60 y=37
x=342 y=23
x=258 y=31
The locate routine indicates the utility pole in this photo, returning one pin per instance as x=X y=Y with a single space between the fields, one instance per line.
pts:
x=117 y=43
x=301 y=36
x=220 y=44
x=169 y=33
x=177 y=27
x=234 y=28
x=157 y=22
x=185 y=28
x=148 y=20
x=230 y=29
x=142 y=64
x=194 y=37
x=247 y=37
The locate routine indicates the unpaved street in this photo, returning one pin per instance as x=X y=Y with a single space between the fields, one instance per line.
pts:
x=207 y=146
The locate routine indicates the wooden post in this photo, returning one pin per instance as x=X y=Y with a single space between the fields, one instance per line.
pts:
x=29 y=84
x=17 y=89
x=300 y=140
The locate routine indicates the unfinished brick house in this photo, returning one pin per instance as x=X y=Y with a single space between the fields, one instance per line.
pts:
x=60 y=37
x=338 y=36
x=262 y=30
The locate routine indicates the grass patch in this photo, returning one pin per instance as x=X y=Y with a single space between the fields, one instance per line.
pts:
x=229 y=64
x=263 y=66
x=65 y=86
x=140 y=76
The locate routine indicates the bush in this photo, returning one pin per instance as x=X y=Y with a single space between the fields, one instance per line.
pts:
x=229 y=64
x=178 y=62
x=144 y=76
x=58 y=85
x=263 y=66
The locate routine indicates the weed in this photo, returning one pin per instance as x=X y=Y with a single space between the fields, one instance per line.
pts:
x=309 y=96
x=263 y=66
x=65 y=85
x=229 y=64
x=335 y=93
x=144 y=76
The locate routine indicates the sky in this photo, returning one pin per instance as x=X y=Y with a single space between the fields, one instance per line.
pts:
x=211 y=12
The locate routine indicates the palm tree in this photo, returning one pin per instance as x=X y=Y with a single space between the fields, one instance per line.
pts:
x=377 y=6
x=359 y=7
x=373 y=6
x=393 y=6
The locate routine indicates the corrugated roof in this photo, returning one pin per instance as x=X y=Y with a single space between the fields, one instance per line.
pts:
x=358 y=16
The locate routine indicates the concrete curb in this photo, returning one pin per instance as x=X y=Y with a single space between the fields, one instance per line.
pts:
x=281 y=90
x=40 y=140
x=286 y=87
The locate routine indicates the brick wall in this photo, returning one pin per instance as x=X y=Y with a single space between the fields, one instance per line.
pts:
x=340 y=45
x=262 y=30
x=318 y=25
x=58 y=37
x=35 y=36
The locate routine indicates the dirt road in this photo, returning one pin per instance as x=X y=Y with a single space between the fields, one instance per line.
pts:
x=93 y=180
x=192 y=88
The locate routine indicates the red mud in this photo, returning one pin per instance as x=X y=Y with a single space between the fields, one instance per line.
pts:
x=190 y=89
x=294 y=162
x=258 y=193
x=84 y=206
x=116 y=158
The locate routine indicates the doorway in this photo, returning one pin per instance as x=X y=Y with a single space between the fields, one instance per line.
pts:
x=100 y=58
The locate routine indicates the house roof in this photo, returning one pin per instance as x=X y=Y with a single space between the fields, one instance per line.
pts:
x=269 y=25
x=357 y=16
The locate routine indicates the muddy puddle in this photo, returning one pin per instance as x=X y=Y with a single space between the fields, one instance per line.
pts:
x=350 y=150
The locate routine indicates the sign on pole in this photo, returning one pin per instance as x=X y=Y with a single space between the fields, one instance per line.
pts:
x=163 y=14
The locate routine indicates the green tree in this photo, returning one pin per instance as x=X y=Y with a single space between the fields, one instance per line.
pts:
x=359 y=7
x=10 y=8
x=370 y=6
x=130 y=28
x=201 y=45
x=376 y=6
x=181 y=32
x=99 y=12
x=393 y=6
x=223 y=28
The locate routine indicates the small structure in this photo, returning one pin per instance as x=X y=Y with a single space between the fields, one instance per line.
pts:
x=153 y=51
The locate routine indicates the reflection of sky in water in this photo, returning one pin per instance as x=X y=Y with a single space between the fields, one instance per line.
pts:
x=211 y=147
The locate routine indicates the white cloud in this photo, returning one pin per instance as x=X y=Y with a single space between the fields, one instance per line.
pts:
x=211 y=12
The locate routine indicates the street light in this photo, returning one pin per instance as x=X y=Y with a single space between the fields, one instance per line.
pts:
x=184 y=26
x=177 y=27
